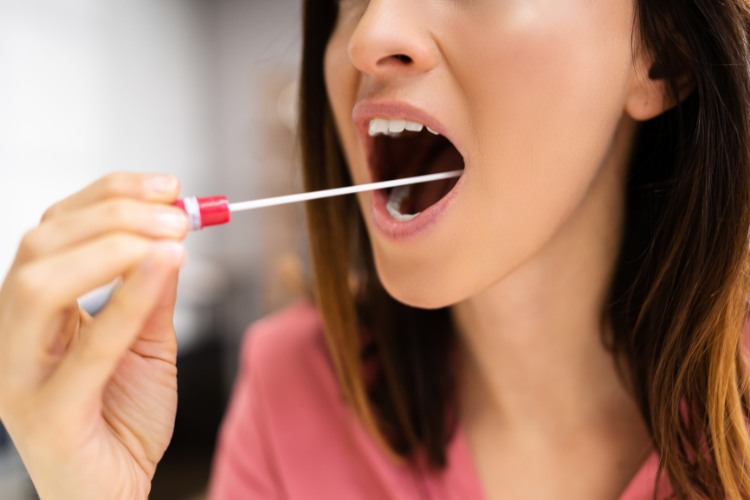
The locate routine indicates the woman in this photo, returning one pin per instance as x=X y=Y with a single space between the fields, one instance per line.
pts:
x=564 y=321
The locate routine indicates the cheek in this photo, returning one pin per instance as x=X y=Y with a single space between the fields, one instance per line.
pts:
x=550 y=80
x=334 y=60
x=334 y=64
x=342 y=82
x=546 y=96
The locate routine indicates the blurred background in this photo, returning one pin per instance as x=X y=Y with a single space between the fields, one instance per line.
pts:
x=204 y=89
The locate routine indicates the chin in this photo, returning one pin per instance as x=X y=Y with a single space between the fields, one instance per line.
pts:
x=414 y=291
x=418 y=298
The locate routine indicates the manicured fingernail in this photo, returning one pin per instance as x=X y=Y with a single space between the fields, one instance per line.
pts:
x=161 y=183
x=171 y=221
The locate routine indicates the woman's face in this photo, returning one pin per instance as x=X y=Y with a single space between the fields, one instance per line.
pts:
x=531 y=93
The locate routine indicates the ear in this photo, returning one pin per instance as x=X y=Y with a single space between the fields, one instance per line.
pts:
x=649 y=94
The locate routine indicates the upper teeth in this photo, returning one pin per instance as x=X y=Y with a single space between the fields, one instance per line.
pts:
x=394 y=127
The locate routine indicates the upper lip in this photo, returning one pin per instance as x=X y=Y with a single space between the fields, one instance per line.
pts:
x=368 y=109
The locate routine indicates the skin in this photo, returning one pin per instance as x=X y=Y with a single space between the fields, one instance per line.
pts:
x=90 y=403
x=542 y=98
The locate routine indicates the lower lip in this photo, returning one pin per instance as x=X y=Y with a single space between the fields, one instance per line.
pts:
x=401 y=230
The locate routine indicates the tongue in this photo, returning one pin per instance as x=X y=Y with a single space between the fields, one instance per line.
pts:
x=424 y=195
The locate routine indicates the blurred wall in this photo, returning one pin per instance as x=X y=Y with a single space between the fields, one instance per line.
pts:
x=258 y=57
x=199 y=88
x=91 y=86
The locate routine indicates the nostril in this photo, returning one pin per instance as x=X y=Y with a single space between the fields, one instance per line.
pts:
x=395 y=60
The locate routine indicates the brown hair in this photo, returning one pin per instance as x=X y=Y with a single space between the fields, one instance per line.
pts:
x=678 y=300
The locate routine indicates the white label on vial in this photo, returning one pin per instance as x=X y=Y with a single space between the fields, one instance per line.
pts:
x=193 y=210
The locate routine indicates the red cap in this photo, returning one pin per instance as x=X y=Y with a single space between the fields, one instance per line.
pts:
x=204 y=212
x=214 y=210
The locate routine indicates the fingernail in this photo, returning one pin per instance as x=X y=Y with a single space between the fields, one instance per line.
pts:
x=171 y=221
x=161 y=184
x=163 y=253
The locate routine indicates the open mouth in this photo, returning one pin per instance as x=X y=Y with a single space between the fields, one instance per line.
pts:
x=405 y=149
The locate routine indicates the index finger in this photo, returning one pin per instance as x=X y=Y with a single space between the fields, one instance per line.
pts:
x=157 y=188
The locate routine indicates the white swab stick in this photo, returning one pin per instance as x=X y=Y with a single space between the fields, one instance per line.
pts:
x=326 y=193
x=216 y=210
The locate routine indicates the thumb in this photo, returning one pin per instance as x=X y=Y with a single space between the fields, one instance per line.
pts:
x=158 y=326
x=150 y=288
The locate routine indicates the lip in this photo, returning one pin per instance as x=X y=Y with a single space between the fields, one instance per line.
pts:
x=366 y=110
x=402 y=230
x=363 y=112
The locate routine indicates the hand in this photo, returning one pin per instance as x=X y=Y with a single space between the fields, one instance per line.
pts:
x=90 y=402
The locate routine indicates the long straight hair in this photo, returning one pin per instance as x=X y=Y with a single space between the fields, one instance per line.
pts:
x=677 y=301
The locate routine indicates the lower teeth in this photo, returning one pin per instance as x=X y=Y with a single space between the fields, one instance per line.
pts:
x=396 y=198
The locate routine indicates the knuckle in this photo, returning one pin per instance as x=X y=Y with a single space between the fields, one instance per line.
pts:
x=119 y=212
x=116 y=244
x=29 y=284
x=30 y=246
x=118 y=184
x=51 y=212
x=121 y=244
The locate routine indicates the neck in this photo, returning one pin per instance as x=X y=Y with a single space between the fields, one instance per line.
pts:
x=533 y=357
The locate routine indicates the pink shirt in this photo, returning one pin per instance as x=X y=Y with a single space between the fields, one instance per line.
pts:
x=288 y=434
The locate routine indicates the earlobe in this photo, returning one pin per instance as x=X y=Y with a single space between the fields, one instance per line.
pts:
x=650 y=95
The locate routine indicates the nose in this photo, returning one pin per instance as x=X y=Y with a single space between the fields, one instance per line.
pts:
x=392 y=37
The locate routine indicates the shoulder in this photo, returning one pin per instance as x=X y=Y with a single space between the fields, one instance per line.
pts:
x=299 y=411
x=292 y=332
x=283 y=384
x=287 y=407
x=286 y=357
